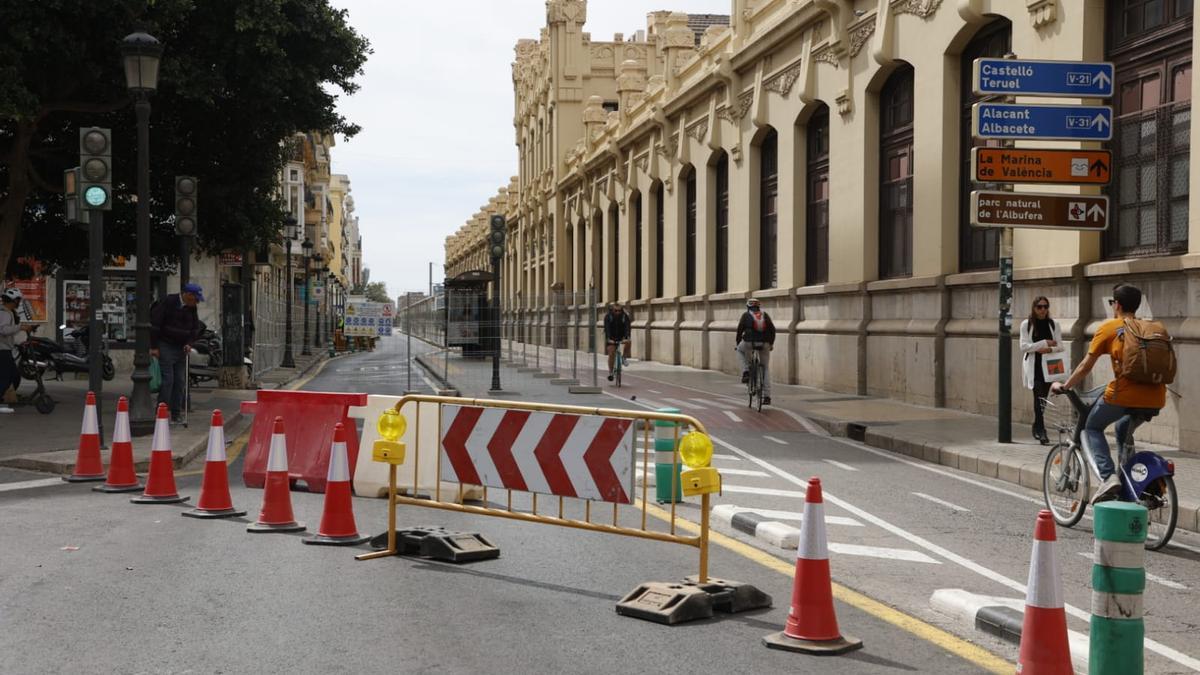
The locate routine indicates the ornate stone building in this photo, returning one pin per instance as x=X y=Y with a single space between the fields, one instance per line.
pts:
x=814 y=154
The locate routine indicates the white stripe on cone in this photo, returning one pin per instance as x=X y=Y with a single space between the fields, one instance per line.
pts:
x=162 y=435
x=812 y=534
x=121 y=433
x=91 y=427
x=216 y=444
x=339 y=464
x=1043 y=587
x=277 y=456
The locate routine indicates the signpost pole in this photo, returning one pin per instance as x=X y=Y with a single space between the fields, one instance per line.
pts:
x=408 y=335
x=1004 y=357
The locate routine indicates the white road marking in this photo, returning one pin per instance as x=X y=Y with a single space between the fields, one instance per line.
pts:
x=31 y=484
x=1151 y=577
x=935 y=500
x=744 y=472
x=681 y=404
x=804 y=422
x=843 y=467
x=731 y=458
x=775 y=440
x=785 y=515
x=881 y=552
x=652 y=391
x=770 y=492
x=731 y=415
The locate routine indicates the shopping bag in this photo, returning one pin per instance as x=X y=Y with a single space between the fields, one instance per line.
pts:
x=155 y=375
x=1056 y=367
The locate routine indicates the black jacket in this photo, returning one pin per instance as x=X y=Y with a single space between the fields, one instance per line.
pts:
x=173 y=322
x=618 y=326
x=746 y=330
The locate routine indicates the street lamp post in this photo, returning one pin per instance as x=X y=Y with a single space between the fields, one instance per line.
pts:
x=289 y=231
x=140 y=55
x=317 y=318
x=308 y=247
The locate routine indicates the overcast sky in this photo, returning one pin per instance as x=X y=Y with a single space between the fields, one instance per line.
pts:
x=436 y=110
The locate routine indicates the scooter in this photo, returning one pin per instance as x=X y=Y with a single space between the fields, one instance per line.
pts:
x=29 y=367
x=207 y=357
x=61 y=359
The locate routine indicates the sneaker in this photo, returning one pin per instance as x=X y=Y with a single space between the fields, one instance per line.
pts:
x=610 y=376
x=766 y=400
x=624 y=361
x=4 y=410
x=1110 y=489
x=745 y=376
x=176 y=419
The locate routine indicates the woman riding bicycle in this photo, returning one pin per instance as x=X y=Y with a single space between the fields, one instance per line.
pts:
x=755 y=331
x=1122 y=398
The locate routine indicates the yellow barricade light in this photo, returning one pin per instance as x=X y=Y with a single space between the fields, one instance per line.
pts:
x=391 y=426
x=696 y=450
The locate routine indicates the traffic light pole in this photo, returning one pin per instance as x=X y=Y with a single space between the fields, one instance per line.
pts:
x=95 y=316
x=495 y=326
x=185 y=260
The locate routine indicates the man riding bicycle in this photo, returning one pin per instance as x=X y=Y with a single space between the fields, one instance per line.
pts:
x=617 y=329
x=1122 y=398
x=755 y=331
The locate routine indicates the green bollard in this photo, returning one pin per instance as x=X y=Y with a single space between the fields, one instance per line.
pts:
x=1118 y=580
x=666 y=458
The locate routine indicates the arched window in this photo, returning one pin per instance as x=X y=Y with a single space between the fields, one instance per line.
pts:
x=978 y=247
x=689 y=231
x=722 y=223
x=896 y=174
x=1150 y=45
x=658 y=239
x=816 y=264
x=637 y=246
x=768 y=216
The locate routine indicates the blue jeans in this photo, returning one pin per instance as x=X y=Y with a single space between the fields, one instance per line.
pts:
x=174 y=369
x=1102 y=416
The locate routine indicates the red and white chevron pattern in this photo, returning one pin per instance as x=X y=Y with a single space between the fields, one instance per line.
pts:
x=582 y=456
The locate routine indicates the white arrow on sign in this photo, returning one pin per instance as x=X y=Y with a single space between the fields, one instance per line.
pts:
x=1099 y=122
x=1101 y=80
x=1096 y=213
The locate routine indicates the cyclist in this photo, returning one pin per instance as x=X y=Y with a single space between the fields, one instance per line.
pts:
x=753 y=332
x=1122 y=397
x=10 y=300
x=617 y=329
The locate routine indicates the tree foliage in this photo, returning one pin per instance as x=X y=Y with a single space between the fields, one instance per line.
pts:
x=237 y=78
x=376 y=291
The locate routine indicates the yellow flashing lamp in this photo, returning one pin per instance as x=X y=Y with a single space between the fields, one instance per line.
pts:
x=391 y=427
x=696 y=450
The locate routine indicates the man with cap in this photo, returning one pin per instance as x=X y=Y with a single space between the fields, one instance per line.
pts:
x=174 y=326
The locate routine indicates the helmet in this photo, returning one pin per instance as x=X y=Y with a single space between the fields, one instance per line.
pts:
x=12 y=294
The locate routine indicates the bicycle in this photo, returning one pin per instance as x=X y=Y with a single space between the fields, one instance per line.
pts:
x=618 y=360
x=1146 y=477
x=758 y=375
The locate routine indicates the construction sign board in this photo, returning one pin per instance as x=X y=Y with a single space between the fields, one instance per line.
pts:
x=365 y=319
x=1039 y=210
x=1044 y=166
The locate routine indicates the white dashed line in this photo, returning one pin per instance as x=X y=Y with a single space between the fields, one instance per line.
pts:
x=30 y=484
x=775 y=440
x=935 y=500
x=843 y=467
x=732 y=415
x=881 y=552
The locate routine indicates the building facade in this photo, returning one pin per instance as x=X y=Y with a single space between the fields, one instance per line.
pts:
x=815 y=154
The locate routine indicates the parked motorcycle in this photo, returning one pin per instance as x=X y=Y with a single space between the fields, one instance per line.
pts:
x=206 y=358
x=73 y=358
x=30 y=367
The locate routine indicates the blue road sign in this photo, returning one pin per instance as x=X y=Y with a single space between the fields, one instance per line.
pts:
x=1047 y=122
x=1043 y=78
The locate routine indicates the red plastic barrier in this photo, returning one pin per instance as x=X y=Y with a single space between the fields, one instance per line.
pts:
x=308 y=418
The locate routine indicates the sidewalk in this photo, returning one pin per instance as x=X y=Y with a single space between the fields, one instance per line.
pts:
x=940 y=436
x=48 y=443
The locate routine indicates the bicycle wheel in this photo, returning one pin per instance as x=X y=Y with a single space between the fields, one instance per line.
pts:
x=1162 y=501
x=617 y=374
x=762 y=379
x=1065 y=484
x=752 y=383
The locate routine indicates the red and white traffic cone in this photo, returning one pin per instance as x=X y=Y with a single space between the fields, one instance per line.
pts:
x=276 y=514
x=215 y=501
x=1044 y=646
x=160 y=485
x=121 y=475
x=812 y=625
x=337 y=519
x=88 y=465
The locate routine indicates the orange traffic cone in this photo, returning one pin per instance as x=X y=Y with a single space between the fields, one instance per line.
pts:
x=88 y=466
x=160 y=485
x=812 y=625
x=121 y=474
x=1044 y=646
x=276 y=514
x=215 y=501
x=337 y=520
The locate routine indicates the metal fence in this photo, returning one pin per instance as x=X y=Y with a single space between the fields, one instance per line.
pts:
x=270 y=321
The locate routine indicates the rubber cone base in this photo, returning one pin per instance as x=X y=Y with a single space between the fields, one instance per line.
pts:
x=208 y=513
x=323 y=540
x=171 y=499
x=282 y=527
x=133 y=487
x=76 y=478
x=820 y=647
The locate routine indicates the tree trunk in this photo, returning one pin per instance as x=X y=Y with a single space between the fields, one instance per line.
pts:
x=12 y=208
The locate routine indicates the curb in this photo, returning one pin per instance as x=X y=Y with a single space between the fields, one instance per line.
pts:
x=448 y=389
x=746 y=521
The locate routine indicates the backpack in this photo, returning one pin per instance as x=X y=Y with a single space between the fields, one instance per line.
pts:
x=1147 y=355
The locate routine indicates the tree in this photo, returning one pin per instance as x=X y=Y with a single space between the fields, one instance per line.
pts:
x=237 y=79
x=377 y=292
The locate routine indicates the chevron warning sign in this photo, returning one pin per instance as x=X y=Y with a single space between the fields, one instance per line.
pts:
x=583 y=456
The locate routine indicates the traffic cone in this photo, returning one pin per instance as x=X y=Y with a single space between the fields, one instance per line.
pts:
x=1044 y=646
x=276 y=514
x=121 y=474
x=88 y=465
x=160 y=485
x=215 y=501
x=337 y=519
x=812 y=625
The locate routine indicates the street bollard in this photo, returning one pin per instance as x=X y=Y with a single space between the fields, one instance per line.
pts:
x=667 y=467
x=1118 y=581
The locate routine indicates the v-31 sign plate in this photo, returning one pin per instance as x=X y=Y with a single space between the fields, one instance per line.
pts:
x=1039 y=210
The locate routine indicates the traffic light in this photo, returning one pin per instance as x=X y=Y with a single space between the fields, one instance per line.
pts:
x=95 y=168
x=187 y=189
x=71 y=198
x=496 y=237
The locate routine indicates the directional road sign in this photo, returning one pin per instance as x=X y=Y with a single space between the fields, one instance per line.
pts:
x=1028 y=165
x=1048 y=122
x=1038 y=210
x=1043 y=78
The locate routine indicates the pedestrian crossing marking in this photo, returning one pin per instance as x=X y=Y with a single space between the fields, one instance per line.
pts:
x=905 y=554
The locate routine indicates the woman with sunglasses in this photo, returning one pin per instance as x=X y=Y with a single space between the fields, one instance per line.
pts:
x=1039 y=335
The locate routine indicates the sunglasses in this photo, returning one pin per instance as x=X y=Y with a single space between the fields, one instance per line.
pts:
x=1112 y=301
x=1041 y=306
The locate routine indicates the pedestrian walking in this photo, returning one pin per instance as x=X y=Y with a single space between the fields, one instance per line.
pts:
x=1040 y=335
x=10 y=299
x=174 y=326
